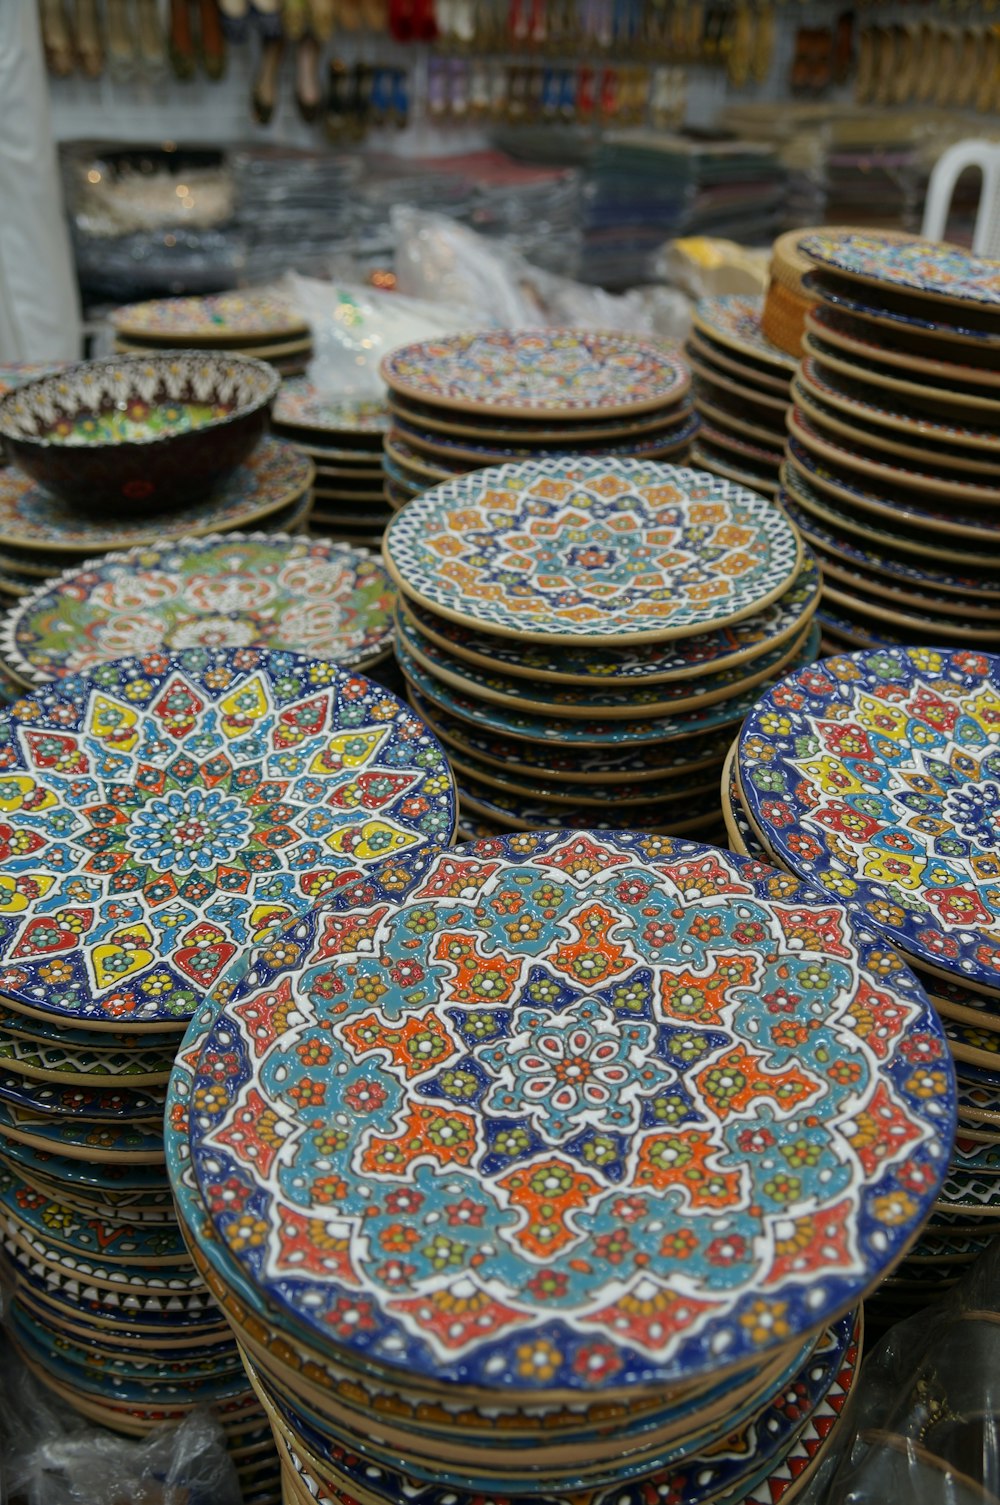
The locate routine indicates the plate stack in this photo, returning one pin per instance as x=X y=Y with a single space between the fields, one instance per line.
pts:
x=469 y=401
x=159 y=816
x=741 y=392
x=344 y=442
x=511 y=1189
x=875 y=777
x=252 y=323
x=581 y=633
x=893 y=465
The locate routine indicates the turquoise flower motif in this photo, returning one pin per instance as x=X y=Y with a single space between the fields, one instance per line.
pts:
x=190 y=829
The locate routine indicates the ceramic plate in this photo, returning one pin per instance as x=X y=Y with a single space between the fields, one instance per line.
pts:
x=87 y=1102
x=856 y=336
x=684 y=658
x=538 y=373
x=864 y=304
x=552 y=550
x=743 y=449
x=734 y=321
x=211 y=319
x=49 y=1221
x=431 y=421
x=73 y=1062
x=610 y=798
x=857 y=398
x=716 y=377
x=461 y=457
x=921 y=476
x=532 y=812
x=745 y=472
x=301 y=405
x=928 y=268
x=752 y=374
x=156 y=815
x=274 y=475
x=925 y=394
x=868 y=442
x=551 y=950
x=876 y=776
x=227 y=591
x=114 y=1143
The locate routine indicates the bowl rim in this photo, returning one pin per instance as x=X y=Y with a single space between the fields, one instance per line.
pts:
x=156 y=358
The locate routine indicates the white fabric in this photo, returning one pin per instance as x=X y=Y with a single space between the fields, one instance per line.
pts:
x=39 y=304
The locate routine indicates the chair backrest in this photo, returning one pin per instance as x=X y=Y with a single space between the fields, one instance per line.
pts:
x=947 y=170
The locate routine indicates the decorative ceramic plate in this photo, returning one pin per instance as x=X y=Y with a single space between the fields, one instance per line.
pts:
x=611 y=798
x=682 y=658
x=532 y=812
x=112 y=1142
x=606 y=700
x=753 y=374
x=715 y=377
x=466 y=456
x=91 y=1176
x=922 y=477
x=855 y=397
x=736 y=415
x=746 y=473
x=210 y=319
x=42 y=1218
x=225 y=591
x=693 y=1103
x=301 y=405
x=982 y=403
x=743 y=448
x=869 y=442
x=856 y=336
x=592 y=550
x=86 y=1102
x=158 y=814
x=874 y=600
x=429 y=421
x=73 y=1062
x=734 y=321
x=845 y=298
x=877 y=777
x=538 y=373
x=928 y=268
x=275 y=475
x=14 y=374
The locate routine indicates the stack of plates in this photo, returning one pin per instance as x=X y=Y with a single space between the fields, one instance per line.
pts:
x=158 y=817
x=875 y=777
x=234 y=590
x=741 y=392
x=511 y=1188
x=251 y=323
x=344 y=441
x=581 y=633
x=893 y=466
x=474 y=400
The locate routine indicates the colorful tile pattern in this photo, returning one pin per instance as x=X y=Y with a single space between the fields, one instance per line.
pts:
x=302 y=405
x=929 y=267
x=212 y=317
x=734 y=320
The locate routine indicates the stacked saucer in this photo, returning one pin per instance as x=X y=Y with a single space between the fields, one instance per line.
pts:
x=344 y=441
x=741 y=392
x=159 y=816
x=875 y=777
x=234 y=590
x=469 y=401
x=893 y=465
x=581 y=633
x=253 y=323
x=510 y=1188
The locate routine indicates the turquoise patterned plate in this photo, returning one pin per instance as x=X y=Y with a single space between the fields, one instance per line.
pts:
x=734 y=321
x=592 y=550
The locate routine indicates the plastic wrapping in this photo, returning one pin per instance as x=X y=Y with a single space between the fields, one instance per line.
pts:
x=924 y=1423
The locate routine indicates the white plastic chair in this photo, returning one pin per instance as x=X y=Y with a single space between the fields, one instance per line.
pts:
x=947 y=170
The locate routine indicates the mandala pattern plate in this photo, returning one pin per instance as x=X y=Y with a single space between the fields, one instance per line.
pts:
x=538 y=373
x=158 y=814
x=300 y=405
x=548 y=551
x=932 y=269
x=714 y=1148
x=877 y=777
x=274 y=475
x=227 y=591
x=734 y=321
x=210 y=319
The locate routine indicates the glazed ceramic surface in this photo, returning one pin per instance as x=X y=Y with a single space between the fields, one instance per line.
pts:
x=681 y=658
x=856 y=335
x=921 y=473
x=271 y=478
x=931 y=268
x=734 y=321
x=464 y=456
x=159 y=429
x=212 y=318
x=848 y=299
x=142 y=1144
x=69 y=1061
x=592 y=550
x=533 y=811
x=300 y=405
x=745 y=472
x=857 y=398
x=231 y=591
x=87 y=1101
x=877 y=776
x=541 y=373
x=555 y=1060
x=157 y=814
x=16 y=373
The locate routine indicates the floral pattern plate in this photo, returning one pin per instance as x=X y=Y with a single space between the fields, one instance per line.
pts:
x=854 y=455
x=928 y=268
x=117 y=1143
x=41 y=1217
x=734 y=321
x=275 y=475
x=951 y=464
x=753 y=374
x=68 y=1062
x=592 y=550
x=552 y=949
x=301 y=405
x=211 y=319
x=877 y=777
x=158 y=814
x=531 y=812
x=682 y=658
x=759 y=478
x=465 y=456
x=226 y=591
x=87 y=1103
x=538 y=373
x=926 y=394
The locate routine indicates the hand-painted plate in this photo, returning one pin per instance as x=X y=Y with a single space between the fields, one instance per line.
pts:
x=755 y=375
x=300 y=405
x=458 y=457
x=538 y=373
x=949 y=464
x=877 y=777
x=429 y=421
x=210 y=319
x=533 y=812
x=592 y=550
x=159 y=813
x=921 y=475
x=683 y=658
x=227 y=591
x=835 y=293
x=856 y=336
x=86 y=1102
x=115 y=1143
x=927 y=268
x=81 y=1064
x=718 y=462
x=855 y=397
x=275 y=475
x=734 y=321
x=503 y=961
x=925 y=394
x=51 y=1222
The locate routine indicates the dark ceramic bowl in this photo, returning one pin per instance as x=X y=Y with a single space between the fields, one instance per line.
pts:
x=152 y=431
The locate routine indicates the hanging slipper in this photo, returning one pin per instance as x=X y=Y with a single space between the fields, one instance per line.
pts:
x=57 y=39
x=308 y=93
x=89 y=42
x=264 y=94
